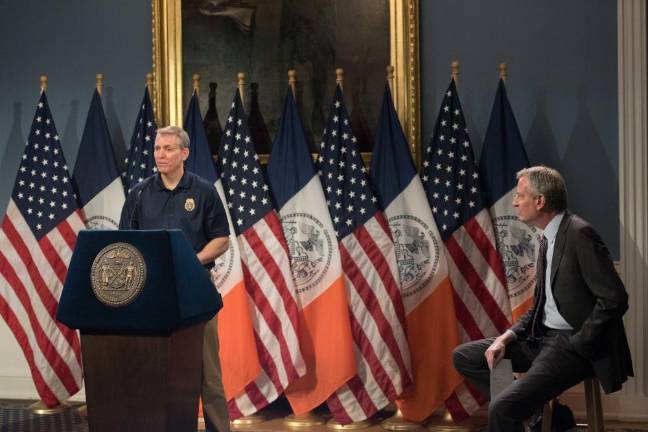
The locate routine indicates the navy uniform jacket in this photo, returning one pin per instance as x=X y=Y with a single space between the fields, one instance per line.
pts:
x=193 y=207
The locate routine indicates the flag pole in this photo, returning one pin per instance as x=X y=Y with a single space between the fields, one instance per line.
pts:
x=149 y=83
x=339 y=78
x=390 y=77
x=292 y=79
x=195 y=78
x=100 y=83
x=502 y=71
x=241 y=87
x=43 y=83
x=454 y=67
x=39 y=407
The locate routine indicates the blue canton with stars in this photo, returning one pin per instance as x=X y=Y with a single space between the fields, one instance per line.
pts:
x=238 y=163
x=43 y=191
x=449 y=174
x=140 y=162
x=349 y=197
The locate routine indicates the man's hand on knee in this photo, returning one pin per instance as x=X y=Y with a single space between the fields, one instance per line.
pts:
x=495 y=352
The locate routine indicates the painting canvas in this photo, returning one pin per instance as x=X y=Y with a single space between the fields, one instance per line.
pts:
x=266 y=38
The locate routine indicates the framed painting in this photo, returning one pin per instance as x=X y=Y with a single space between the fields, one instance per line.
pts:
x=218 y=39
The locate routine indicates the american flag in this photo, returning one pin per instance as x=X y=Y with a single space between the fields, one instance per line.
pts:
x=452 y=185
x=266 y=266
x=37 y=238
x=369 y=263
x=139 y=161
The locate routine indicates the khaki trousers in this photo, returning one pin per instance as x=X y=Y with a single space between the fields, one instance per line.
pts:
x=213 y=396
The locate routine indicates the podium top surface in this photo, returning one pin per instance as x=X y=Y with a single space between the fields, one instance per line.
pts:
x=135 y=281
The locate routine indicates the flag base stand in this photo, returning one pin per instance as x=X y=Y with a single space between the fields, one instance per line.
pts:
x=248 y=420
x=398 y=423
x=333 y=424
x=82 y=410
x=303 y=421
x=447 y=424
x=39 y=408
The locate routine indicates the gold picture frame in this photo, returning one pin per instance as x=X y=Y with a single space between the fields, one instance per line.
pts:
x=404 y=54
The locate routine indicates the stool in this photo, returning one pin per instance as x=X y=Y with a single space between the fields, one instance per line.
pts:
x=594 y=408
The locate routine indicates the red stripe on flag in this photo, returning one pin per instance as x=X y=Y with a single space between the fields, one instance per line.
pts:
x=456 y=409
x=337 y=410
x=68 y=233
x=369 y=298
x=382 y=267
x=53 y=258
x=487 y=248
x=466 y=318
x=47 y=348
x=256 y=396
x=271 y=318
x=232 y=408
x=382 y=221
x=270 y=265
x=40 y=286
x=361 y=394
x=275 y=226
x=44 y=392
x=477 y=284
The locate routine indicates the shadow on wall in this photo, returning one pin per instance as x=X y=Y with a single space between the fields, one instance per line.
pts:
x=540 y=141
x=592 y=186
x=116 y=133
x=70 y=137
x=14 y=148
x=468 y=101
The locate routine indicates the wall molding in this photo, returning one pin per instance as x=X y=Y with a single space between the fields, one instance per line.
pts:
x=633 y=185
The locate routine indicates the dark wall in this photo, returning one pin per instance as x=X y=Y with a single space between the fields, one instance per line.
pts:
x=562 y=84
x=562 y=79
x=70 y=41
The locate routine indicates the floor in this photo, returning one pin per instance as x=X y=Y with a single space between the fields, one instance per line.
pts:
x=15 y=416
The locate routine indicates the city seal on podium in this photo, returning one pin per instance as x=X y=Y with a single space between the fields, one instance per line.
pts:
x=118 y=274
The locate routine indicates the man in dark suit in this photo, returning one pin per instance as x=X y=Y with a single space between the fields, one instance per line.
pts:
x=574 y=329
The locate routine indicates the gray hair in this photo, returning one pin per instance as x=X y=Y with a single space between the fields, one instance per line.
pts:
x=183 y=137
x=549 y=183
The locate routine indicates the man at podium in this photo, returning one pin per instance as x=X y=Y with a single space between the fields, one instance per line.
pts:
x=178 y=199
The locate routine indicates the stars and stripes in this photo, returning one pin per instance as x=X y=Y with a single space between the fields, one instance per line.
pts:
x=453 y=189
x=369 y=263
x=315 y=262
x=266 y=266
x=427 y=292
x=235 y=332
x=140 y=161
x=38 y=234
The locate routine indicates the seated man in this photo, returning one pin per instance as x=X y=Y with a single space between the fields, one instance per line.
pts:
x=573 y=330
x=176 y=198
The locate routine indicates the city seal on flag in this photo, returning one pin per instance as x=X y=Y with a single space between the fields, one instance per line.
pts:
x=223 y=266
x=101 y=222
x=310 y=246
x=515 y=242
x=118 y=274
x=417 y=252
x=190 y=204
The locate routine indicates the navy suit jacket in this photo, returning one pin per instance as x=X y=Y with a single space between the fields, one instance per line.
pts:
x=591 y=297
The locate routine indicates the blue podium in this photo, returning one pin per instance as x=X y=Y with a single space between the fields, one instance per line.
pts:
x=140 y=300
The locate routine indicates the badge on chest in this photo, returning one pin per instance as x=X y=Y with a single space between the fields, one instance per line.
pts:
x=190 y=204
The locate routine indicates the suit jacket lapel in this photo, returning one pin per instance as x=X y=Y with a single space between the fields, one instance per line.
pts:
x=559 y=246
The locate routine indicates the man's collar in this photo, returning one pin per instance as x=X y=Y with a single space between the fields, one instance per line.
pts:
x=551 y=230
x=184 y=183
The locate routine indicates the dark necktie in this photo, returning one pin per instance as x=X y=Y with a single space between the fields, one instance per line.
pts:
x=540 y=291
